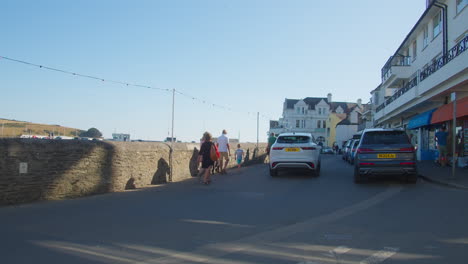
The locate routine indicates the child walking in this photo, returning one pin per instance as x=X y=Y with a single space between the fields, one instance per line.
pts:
x=239 y=155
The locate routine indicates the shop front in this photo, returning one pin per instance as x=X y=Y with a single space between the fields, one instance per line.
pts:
x=421 y=133
x=443 y=116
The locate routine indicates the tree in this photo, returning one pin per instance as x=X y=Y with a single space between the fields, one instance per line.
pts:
x=92 y=132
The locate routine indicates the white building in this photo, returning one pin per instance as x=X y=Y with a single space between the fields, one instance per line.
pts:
x=120 y=137
x=313 y=115
x=429 y=65
x=308 y=115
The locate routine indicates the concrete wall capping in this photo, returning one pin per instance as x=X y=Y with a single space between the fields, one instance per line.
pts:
x=72 y=168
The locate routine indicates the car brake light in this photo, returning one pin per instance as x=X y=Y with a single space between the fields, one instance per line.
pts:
x=311 y=164
x=364 y=150
x=274 y=164
x=308 y=148
x=407 y=163
x=407 y=149
x=366 y=163
x=277 y=148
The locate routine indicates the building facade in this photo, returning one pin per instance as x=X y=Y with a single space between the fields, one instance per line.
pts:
x=427 y=71
x=318 y=116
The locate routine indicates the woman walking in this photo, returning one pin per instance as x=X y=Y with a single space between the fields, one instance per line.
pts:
x=205 y=158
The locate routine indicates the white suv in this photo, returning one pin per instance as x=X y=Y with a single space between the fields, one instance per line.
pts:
x=295 y=150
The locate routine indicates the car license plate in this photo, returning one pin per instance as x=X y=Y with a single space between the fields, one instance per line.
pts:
x=386 y=156
x=291 y=149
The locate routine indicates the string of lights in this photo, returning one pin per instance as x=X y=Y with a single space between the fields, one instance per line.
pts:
x=194 y=98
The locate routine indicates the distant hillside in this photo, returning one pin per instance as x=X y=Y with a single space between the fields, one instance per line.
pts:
x=14 y=128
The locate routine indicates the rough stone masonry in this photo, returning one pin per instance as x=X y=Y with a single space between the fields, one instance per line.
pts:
x=37 y=169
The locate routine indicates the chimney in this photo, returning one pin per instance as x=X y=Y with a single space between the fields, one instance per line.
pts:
x=359 y=102
x=329 y=97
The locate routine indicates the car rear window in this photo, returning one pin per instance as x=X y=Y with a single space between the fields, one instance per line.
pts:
x=293 y=139
x=385 y=137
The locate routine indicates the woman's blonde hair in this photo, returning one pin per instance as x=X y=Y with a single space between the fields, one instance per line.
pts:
x=207 y=136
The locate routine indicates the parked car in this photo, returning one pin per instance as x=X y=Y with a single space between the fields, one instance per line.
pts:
x=346 y=147
x=327 y=150
x=295 y=150
x=352 y=151
x=385 y=152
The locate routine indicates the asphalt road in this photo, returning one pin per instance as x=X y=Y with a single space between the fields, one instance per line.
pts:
x=246 y=217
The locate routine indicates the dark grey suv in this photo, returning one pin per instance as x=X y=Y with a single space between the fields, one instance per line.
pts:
x=385 y=152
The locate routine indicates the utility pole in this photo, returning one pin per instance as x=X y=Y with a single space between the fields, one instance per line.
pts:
x=258 y=115
x=454 y=132
x=172 y=137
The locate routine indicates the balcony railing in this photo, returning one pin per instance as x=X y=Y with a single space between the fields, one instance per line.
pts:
x=458 y=49
x=394 y=61
x=443 y=60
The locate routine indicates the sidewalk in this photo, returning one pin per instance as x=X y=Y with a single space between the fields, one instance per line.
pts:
x=430 y=171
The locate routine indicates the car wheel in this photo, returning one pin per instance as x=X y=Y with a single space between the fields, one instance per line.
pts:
x=412 y=179
x=358 y=178
x=273 y=172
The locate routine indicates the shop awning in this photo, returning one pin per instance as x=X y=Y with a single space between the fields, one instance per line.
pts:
x=445 y=112
x=421 y=120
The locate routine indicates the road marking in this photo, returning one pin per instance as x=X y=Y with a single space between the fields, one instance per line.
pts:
x=334 y=253
x=380 y=256
x=341 y=250
x=214 y=223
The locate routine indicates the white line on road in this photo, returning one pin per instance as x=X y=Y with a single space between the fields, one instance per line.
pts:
x=380 y=256
x=337 y=251
x=214 y=223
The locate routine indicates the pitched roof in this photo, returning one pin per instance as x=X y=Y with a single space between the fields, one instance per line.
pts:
x=310 y=101
x=290 y=103
x=346 y=122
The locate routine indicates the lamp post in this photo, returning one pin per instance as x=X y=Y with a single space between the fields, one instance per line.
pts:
x=454 y=132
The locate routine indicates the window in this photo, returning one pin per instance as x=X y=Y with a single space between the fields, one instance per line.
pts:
x=298 y=110
x=293 y=139
x=297 y=123
x=324 y=123
x=302 y=123
x=425 y=37
x=385 y=137
x=320 y=111
x=461 y=4
x=303 y=110
x=437 y=25
x=318 y=124
x=415 y=50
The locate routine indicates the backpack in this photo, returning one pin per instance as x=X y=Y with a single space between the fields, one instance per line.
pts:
x=214 y=154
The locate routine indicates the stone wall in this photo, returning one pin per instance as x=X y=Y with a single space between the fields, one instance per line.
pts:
x=60 y=169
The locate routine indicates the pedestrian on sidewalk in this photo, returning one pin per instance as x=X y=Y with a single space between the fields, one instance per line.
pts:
x=271 y=141
x=441 y=139
x=224 y=151
x=205 y=158
x=239 y=155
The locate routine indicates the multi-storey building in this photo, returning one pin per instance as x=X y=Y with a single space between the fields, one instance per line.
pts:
x=427 y=69
x=315 y=115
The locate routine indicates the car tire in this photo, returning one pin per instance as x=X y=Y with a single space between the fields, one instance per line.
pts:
x=273 y=172
x=412 y=179
x=358 y=178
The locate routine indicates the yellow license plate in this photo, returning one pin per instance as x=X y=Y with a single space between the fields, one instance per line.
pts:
x=291 y=149
x=386 y=156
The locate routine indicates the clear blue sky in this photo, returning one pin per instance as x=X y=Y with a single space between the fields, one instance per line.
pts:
x=246 y=55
